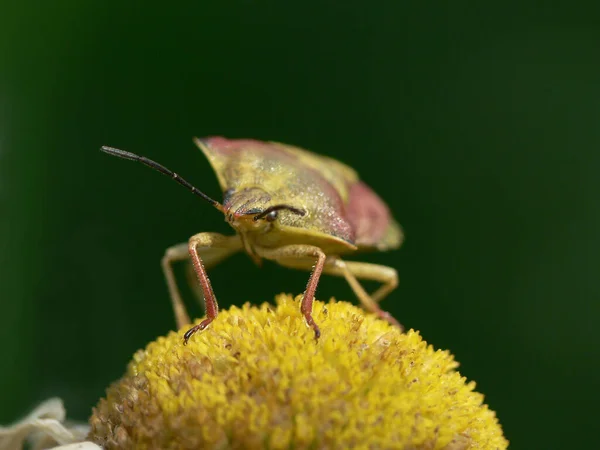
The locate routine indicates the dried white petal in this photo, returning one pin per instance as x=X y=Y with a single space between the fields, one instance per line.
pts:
x=79 y=446
x=44 y=428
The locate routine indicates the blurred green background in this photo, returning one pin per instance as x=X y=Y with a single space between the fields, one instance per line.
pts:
x=479 y=126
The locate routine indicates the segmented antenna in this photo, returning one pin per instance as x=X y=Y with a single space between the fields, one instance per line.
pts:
x=160 y=168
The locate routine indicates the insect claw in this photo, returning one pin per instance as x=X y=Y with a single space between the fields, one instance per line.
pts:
x=317 y=332
x=188 y=334
x=311 y=323
x=200 y=327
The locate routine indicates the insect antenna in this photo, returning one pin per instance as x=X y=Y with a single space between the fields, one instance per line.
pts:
x=162 y=169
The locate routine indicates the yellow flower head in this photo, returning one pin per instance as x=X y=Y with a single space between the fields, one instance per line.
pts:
x=257 y=378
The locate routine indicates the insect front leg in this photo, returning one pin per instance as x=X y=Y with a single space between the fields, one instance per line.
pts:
x=204 y=249
x=308 y=255
x=221 y=248
x=211 y=256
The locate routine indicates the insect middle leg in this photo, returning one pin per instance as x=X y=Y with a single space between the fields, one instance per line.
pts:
x=210 y=248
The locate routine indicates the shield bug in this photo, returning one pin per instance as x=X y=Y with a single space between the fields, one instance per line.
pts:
x=297 y=208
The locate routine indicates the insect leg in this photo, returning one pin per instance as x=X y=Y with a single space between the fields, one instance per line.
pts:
x=172 y=254
x=200 y=244
x=211 y=256
x=308 y=255
x=351 y=270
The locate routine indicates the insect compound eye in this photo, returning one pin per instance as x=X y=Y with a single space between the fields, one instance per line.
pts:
x=271 y=217
x=270 y=214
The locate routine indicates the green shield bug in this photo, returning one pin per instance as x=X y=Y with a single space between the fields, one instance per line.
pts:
x=297 y=208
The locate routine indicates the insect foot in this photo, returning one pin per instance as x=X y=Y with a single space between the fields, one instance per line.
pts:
x=313 y=325
x=200 y=327
x=306 y=310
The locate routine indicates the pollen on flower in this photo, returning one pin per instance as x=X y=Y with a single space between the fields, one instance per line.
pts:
x=257 y=378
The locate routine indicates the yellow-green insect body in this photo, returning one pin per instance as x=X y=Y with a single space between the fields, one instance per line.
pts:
x=255 y=175
x=289 y=205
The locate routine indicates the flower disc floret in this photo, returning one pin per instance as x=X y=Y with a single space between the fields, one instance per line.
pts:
x=257 y=378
